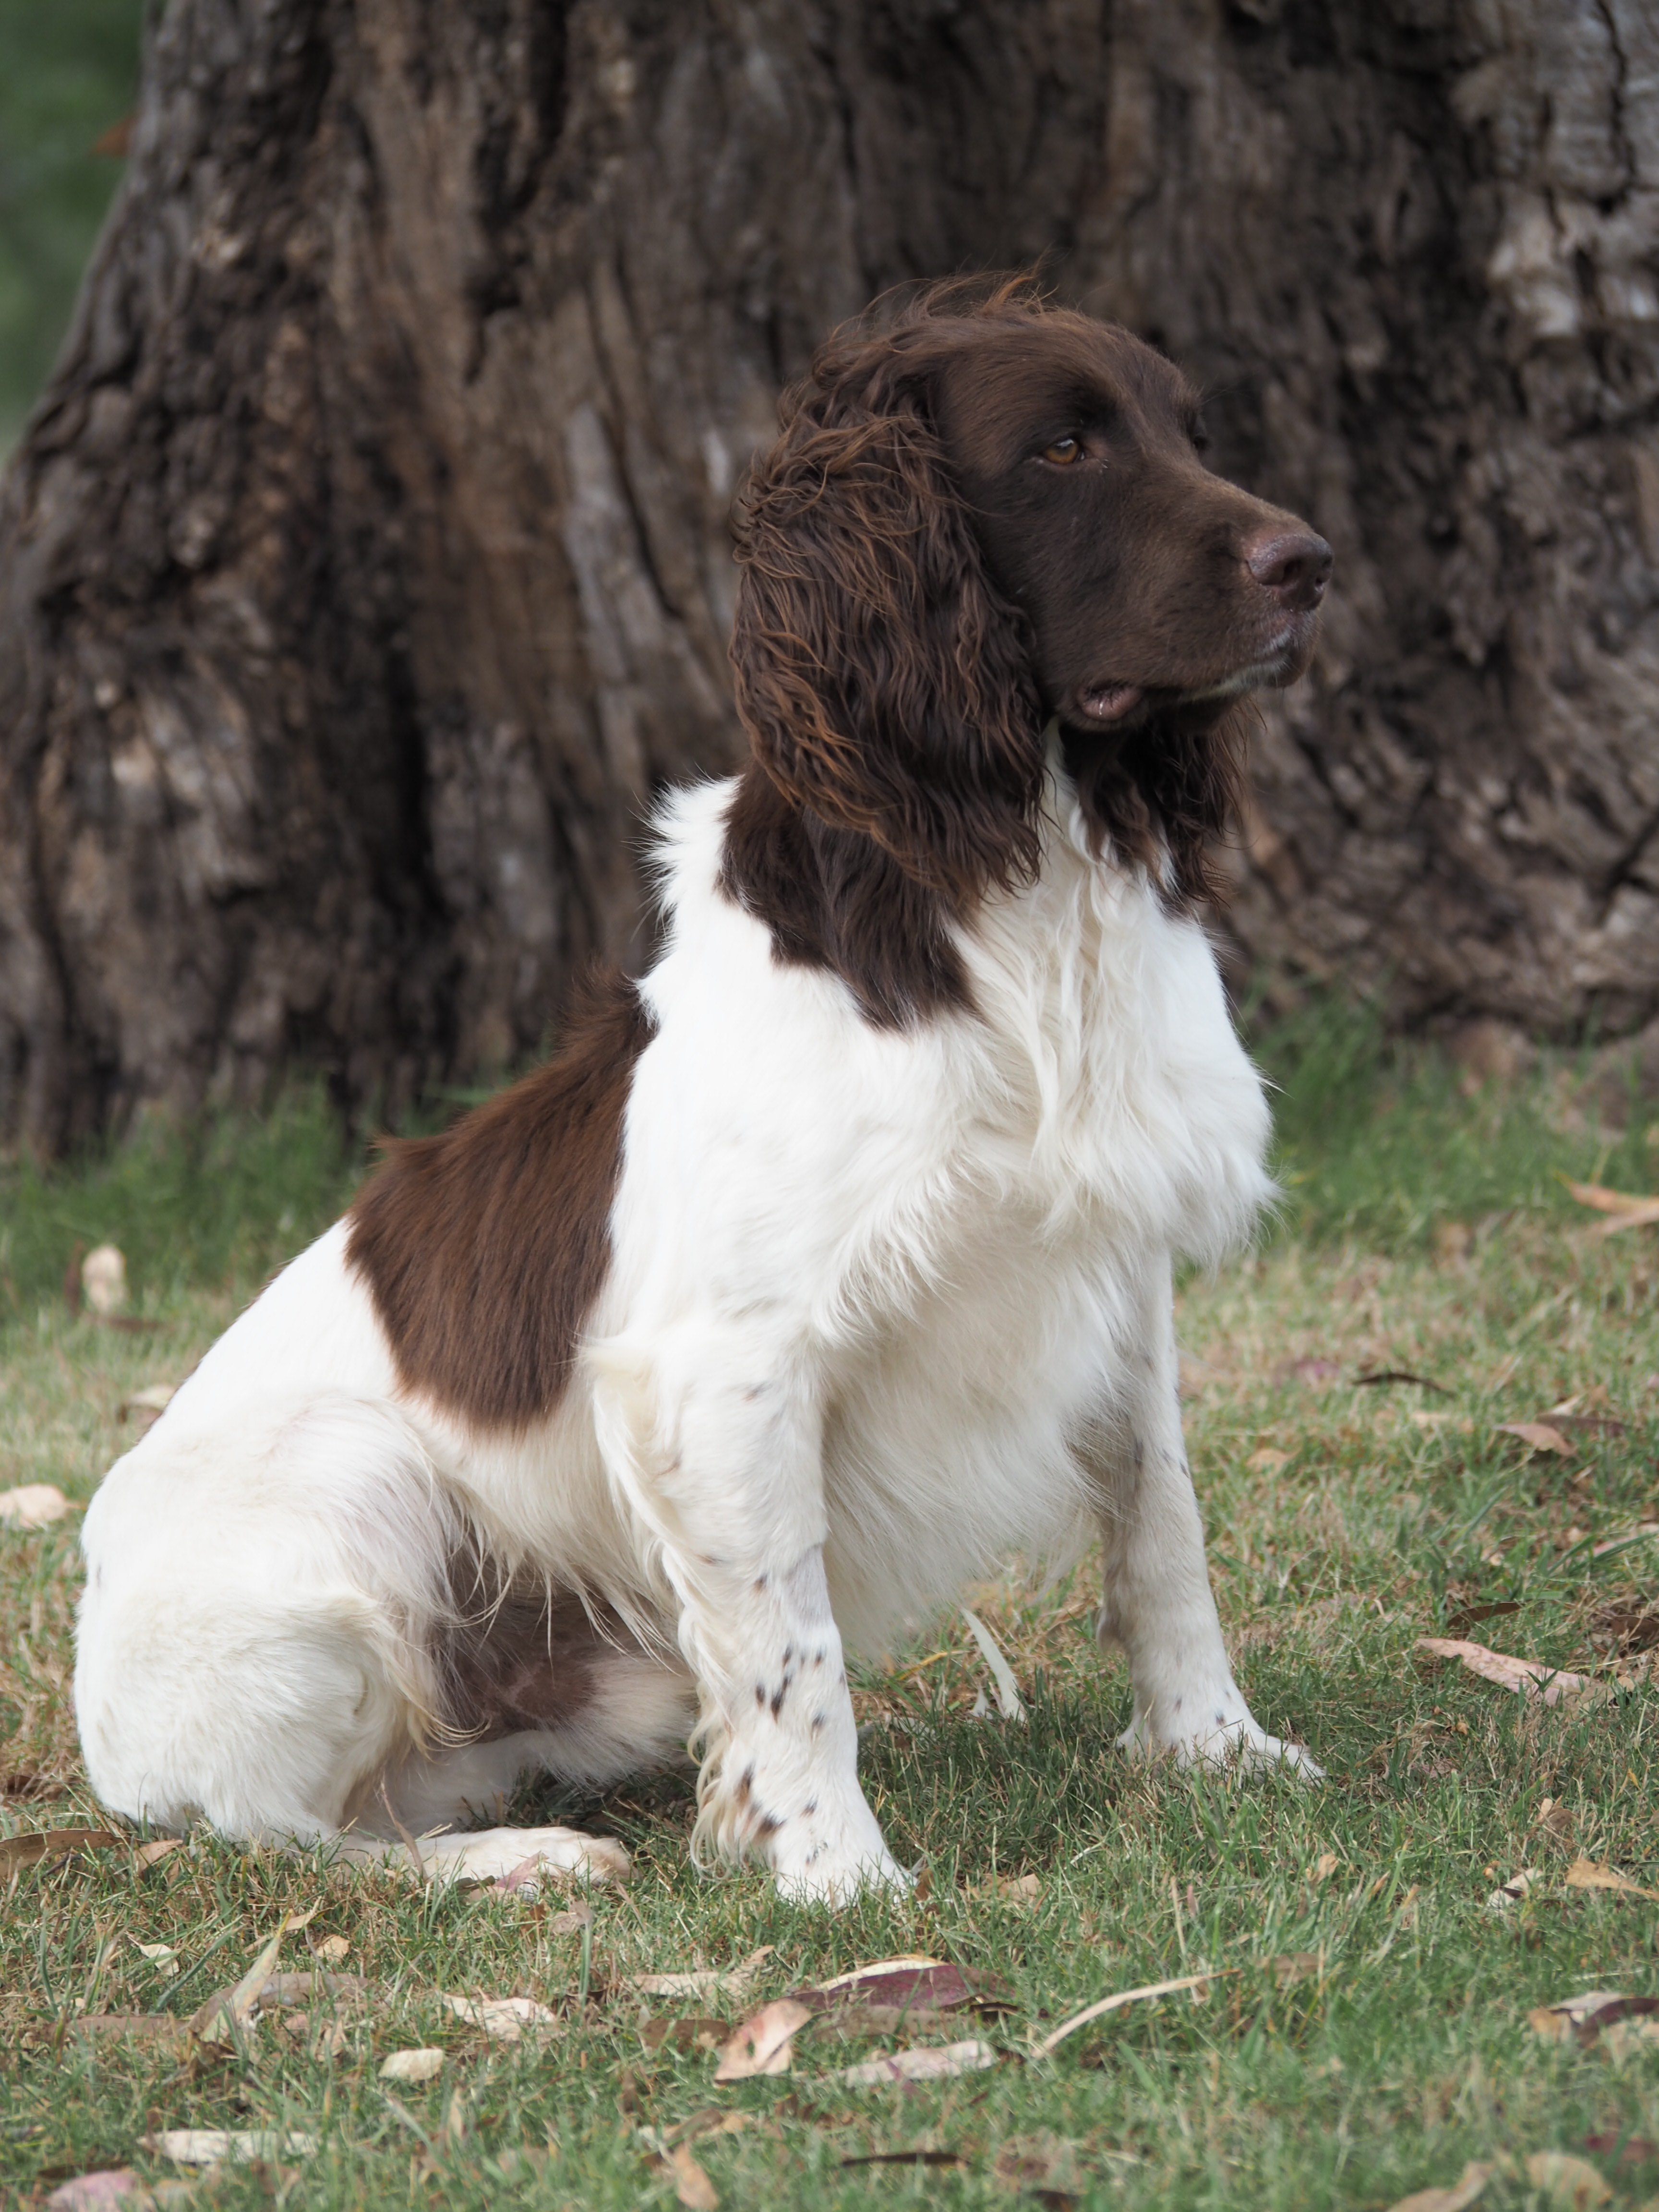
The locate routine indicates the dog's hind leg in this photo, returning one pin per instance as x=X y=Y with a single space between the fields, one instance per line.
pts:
x=260 y=1642
x=1157 y=1603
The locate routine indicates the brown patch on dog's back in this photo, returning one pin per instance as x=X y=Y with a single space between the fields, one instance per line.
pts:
x=484 y=1249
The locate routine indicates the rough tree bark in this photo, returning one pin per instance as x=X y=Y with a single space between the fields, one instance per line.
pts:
x=364 y=568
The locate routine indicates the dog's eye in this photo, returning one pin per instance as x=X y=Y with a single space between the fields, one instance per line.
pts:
x=1064 y=452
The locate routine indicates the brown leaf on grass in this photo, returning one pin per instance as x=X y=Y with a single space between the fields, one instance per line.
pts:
x=104 y=1280
x=1511 y=1891
x=418 y=2065
x=1122 y=1997
x=331 y=1949
x=1555 y=1822
x=1583 y=2018
x=1529 y=1677
x=146 y=1856
x=1461 y=2192
x=692 y=2186
x=1626 y=1209
x=22 y=1784
x=52 y=1843
x=1571 y=2185
x=1587 y=1874
x=919 y=2154
x=32 y=1505
x=708 y=2120
x=1384 y=1378
x=227 y=2012
x=1629 y=2150
x=1010 y=1888
x=764 y=2044
x=572 y=1920
x=921 y=2062
x=215 y=2146
x=1603 y=1200
x=1267 y=1458
x=87 y=2192
x=1537 y=1436
x=704 y=1981
x=503 y=2019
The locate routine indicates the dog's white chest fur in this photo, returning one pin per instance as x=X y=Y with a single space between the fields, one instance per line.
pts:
x=946 y=1227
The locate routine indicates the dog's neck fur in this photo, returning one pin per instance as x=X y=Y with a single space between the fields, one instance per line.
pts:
x=1153 y=798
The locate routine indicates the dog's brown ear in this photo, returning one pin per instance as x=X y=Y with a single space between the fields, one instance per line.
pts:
x=885 y=683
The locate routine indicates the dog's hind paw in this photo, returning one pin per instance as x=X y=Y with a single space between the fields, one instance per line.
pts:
x=1239 y=1743
x=518 y=1856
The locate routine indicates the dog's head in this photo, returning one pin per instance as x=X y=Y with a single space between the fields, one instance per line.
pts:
x=987 y=513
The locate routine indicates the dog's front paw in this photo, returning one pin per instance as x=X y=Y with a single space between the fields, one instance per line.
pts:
x=834 y=1862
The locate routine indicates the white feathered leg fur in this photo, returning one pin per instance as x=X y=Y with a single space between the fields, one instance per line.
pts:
x=884 y=1306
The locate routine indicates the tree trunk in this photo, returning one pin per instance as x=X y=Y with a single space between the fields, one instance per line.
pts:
x=364 y=569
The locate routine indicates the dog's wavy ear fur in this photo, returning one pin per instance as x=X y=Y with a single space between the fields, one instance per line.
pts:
x=885 y=683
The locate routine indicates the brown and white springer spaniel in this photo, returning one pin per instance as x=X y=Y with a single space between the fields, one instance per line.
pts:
x=827 y=1262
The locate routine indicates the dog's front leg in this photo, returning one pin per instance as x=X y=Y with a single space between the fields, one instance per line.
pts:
x=718 y=1452
x=1157 y=1603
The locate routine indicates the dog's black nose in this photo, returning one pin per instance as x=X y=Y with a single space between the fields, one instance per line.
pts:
x=1294 y=565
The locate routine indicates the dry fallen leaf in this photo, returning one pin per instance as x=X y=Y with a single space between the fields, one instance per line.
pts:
x=1586 y=1873
x=422 y=2065
x=1571 y=2183
x=213 y=2146
x=921 y=2062
x=763 y=2045
x=692 y=2183
x=52 y=1843
x=704 y=1982
x=1539 y=1435
x=146 y=1856
x=161 y=1956
x=1554 y=1685
x=32 y=1505
x=1463 y=2192
x=104 y=1279
x=1002 y=1674
x=504 y=2020
x=1010 y=1888
x=1267 y=1458
x=1114 y=2003
x=1513 y=1890
x=88 y=2191
x=1325 y=1866
x=226 y=2013
x=1585 y=2016
x=1626 y=1209
x=331 y=1949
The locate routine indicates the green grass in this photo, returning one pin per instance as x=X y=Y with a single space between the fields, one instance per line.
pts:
x=1366 y=2031
x=69 y=70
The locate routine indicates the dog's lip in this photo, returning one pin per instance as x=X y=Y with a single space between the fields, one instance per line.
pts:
x=1109 y=701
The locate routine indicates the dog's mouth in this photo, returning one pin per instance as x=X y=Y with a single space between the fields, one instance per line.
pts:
x=1280 y=660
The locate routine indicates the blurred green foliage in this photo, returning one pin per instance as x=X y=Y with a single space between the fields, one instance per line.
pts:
x=68 y=71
